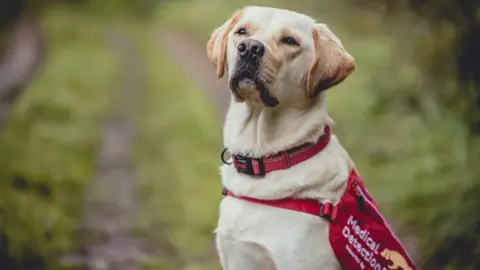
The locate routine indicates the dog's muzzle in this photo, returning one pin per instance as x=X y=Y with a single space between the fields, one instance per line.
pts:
x=250 y=53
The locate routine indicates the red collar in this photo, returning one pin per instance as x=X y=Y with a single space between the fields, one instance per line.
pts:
x=285 y=160
x=282 y=160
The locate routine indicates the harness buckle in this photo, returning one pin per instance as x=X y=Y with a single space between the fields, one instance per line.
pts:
x=245 y=165
x=326 y=211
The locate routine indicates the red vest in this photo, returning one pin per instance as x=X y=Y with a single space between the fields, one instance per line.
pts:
x=359 y=235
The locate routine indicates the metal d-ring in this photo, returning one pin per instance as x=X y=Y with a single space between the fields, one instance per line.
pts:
x=222 y=156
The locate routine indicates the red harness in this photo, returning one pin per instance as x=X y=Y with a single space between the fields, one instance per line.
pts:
x=360 y=237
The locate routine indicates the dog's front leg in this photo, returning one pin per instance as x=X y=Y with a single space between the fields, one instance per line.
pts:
x=238 y=255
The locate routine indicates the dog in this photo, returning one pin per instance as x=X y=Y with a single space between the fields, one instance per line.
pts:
x=279 y=64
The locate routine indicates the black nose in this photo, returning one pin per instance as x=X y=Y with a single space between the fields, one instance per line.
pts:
x=251 y=48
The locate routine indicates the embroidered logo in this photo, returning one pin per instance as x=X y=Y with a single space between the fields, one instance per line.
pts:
x=398 y=261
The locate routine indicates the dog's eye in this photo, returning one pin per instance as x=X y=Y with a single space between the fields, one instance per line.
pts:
x=289 y=41
x=241 y=31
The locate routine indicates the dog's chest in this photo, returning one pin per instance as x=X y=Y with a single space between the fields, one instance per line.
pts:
x=288 y=235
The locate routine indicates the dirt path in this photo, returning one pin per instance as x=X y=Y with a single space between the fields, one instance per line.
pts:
x=191 y=56
x=111 y=205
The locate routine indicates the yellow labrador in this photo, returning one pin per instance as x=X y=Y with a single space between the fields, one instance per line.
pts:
x=278 y=63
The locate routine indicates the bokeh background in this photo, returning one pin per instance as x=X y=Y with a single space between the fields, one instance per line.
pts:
x=111 y=116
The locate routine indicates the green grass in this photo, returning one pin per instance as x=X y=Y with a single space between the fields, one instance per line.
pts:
x=178 y=144
x=52 y=136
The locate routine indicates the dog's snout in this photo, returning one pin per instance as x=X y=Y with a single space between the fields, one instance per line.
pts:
x=251 y=48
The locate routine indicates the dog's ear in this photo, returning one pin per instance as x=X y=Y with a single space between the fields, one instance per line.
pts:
x=331 y=62
x=217 y=45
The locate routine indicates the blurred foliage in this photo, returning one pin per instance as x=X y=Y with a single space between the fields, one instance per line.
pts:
x=10 y=9
x=122 y=7
x=50 y=141
x=447 y=212
x=177 y=137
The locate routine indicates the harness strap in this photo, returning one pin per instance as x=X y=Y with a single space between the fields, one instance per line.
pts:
x=309 y=206
x=325 y=210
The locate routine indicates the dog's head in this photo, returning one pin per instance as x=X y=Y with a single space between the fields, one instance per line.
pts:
x=277 y=56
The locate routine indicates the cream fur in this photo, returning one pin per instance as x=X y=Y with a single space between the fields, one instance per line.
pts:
x=251 y=236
